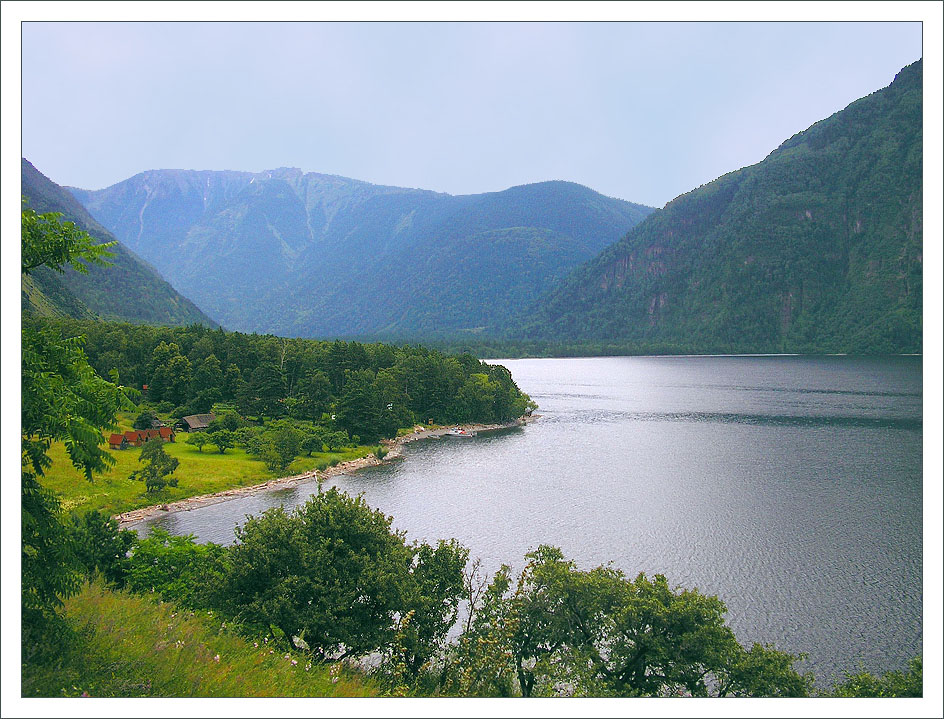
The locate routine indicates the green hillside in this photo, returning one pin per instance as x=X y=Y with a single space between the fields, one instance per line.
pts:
x=311 y=255
x=129 y=290
x=817 y=248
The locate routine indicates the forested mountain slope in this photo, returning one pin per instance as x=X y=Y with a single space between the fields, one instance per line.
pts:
x=816 y=248
x=129 y=290
x=319 y=255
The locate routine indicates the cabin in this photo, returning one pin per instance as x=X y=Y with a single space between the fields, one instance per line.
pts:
x=137 y=437
x=163 y=433
x=194 y=422
x=133 y=438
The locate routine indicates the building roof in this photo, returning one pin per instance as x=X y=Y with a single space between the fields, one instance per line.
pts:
x=166 y=432
x=199 y=421
x=132 y=435
x=116 y=439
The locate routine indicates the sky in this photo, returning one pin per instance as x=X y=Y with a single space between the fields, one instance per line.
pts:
x=643 y=111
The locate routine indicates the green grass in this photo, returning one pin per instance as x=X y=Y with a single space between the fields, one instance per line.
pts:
x=127 y=645
x=199 y=473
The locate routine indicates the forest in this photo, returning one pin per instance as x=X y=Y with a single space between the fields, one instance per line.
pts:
x=371 y=390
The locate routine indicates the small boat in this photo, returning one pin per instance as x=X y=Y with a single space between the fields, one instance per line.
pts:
x=459 y=432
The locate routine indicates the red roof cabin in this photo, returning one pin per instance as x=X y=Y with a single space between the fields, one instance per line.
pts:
x=134 y=438
x=167 y=434
x=118 y=441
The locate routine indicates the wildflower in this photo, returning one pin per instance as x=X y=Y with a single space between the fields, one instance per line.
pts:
x=294 y=662
x=308 y=666
x=84 y=694
x=271 y=651
x=255 y=644
x=266 y=640
x=287 y=656
x=216 y=658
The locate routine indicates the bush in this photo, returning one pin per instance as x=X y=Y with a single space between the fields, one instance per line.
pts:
x=144 y=420
x=178 y=568
x=890 y=684
x=101 y=546
x=332 y=568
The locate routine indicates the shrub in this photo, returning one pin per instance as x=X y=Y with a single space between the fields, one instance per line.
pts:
x=178 y=568
x=101 y=546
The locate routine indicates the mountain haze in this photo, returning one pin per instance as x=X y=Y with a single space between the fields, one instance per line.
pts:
x=816 y=248
x=129 y=290
x=308 y=254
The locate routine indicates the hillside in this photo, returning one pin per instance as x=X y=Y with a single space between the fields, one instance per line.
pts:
x=318 y=255
x=816 y=248
x=129 y=290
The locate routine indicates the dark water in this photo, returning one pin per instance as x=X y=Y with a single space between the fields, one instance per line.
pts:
x=789 y=486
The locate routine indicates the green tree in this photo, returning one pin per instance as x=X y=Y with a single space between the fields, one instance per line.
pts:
x=597 y=633
x=178 y=378
x=281 y=444
x=333 y=569
x=63 y=399
x=336 y=440
x=433 y=597
x=177 y=567
x=101 y=546
x=359 y=407
x=480 y=663
x=266 y=389
x=144 y=419
x=48 y=241
x=207 y=384
x=198 y=440
x=232 y=380
x=158 y=467
x=314 y=395
x=223 y=439
x=313 y=440
x=891 y=684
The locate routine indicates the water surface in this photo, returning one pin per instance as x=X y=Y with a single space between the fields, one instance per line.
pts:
x=789 y=486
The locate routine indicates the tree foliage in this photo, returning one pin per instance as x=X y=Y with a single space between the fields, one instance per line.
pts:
x=565 y=631
x=331 y=571
x=62 y=399
x=371 y=390
x=158 y=467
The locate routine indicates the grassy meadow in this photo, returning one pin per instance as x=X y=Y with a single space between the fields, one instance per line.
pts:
x=129 y=645
x=199 y=473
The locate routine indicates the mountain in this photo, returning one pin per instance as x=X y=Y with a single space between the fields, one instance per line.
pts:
x=816 y=248
x=306 y=254
x=129 y=290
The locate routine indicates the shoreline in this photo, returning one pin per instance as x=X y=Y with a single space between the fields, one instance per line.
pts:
x=394 y=447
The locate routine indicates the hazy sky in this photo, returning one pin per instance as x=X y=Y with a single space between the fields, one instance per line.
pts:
x=641 y=111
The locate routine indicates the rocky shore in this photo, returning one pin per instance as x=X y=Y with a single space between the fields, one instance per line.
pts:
x=394 y=447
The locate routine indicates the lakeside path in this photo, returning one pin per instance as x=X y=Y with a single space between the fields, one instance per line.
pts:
x=393 y=445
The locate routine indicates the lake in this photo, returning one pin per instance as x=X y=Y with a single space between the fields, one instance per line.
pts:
x=789 y=486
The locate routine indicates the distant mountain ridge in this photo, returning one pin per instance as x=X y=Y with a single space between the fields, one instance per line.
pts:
x=817 y=248
x=129 y=290
x=308 y=254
